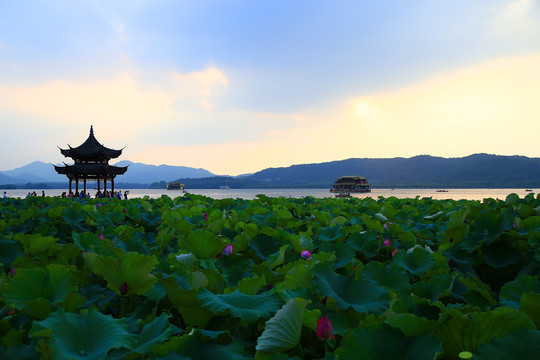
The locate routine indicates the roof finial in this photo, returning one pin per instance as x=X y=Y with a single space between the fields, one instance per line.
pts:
x=91 y=130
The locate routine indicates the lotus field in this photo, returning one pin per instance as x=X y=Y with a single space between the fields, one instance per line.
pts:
x=270 y=278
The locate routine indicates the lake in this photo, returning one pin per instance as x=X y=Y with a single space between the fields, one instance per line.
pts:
x=456 y=194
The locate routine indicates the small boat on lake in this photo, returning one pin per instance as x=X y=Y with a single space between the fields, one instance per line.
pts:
x=528 y=189
x=350 y=184
x=343 y=195
x=224 y=187
x=442 y=191
x=175 y=186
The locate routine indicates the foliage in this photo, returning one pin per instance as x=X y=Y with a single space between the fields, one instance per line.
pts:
x=148 y=278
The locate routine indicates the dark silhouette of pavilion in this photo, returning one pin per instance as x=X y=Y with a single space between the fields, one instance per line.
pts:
x=91 y=162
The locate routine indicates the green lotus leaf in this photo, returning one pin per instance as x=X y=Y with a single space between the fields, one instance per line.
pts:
x=131 y=268
x=265 y=245
x=520 y=344
x=465 y=333
x=435 y=287
x=86 y=241
x=39 y=287
x=330 y=233
x=364 y=296
x=512 y=291
x=154 y=333
x=390 y=276
x=249 y=308
x=410 y=324
x=89 y=335
x=530 y=305
x=35 y=244
x=9 y=251
x=417 y=262
x=197 y=347
x=251 y=286
x=500 y=254
x=19 y=352
x=385 y=342
x=203 y=244
x=278 y=258
x=282 y=331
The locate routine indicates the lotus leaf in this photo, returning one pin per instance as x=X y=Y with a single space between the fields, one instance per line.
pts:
x=364 y=296
x=282 y=332
x=249 y=308
x=418 y=262
x=387 y=343
x=520 y=344
x=130 y=268
x=89 y=335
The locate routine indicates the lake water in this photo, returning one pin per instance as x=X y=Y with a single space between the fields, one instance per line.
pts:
x=456 y=194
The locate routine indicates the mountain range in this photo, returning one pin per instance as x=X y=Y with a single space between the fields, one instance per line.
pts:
x=39 y=172
x=473 y=171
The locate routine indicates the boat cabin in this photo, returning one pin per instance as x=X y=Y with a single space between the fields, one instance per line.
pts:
x=351 y=184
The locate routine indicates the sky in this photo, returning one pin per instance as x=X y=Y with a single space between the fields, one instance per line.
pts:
x=236 y=86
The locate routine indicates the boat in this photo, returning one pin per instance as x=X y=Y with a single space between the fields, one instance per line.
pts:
x=224 y=187
x=442 y=191
x=528 y=189
x=175 y=186
x=343 y=195
x=350 y=184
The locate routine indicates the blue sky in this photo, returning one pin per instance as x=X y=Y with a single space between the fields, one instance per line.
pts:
x=238 y=86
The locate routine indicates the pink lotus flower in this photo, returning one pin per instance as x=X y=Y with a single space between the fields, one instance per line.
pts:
x=13 y=272
x=386 y=242
x=324 y=329
x=205 y=216
x=227 y=250
x=98 y=205
x=386 y=226
x=306 y=254
x=394 y=252
x=101 y=237
x=124 y=288
x=124 y=210
x=85 y=252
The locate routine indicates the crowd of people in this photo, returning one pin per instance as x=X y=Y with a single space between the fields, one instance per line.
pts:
x=99 y=195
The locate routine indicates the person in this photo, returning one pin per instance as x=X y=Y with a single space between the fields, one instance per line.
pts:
x=28 y=195
x=120 y=194
x=125 y=194
x=5 y=195
x=42 y=193
x=63 y=194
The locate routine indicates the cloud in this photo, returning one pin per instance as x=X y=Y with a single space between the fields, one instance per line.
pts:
x=518 y=9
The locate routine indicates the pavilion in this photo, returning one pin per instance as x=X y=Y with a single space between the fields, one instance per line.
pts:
x=91 y=163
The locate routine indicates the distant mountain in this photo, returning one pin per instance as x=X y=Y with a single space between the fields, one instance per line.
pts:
x=39 y=172
x=35 y=172
x=424 y=171
x=478 y=170
x=142 y=173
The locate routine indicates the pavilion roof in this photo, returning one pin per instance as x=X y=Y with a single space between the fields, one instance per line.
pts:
x=102 y=170
x=91 y=149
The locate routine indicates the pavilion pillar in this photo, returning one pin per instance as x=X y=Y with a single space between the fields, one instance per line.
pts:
x=70 y=180
x=104 y=184
x=76 y=185
x=84 y=185
x=98 y=184
x=112 y=185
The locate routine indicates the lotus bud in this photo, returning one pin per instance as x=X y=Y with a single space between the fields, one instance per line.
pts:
x=101 y=237
x=227 y=250
x=386 y=242
x=306 y=254
x=98 y=205
x=124 y=288
x=324 y=329
x=124 y=210
x=394 y=252
x=13 y=272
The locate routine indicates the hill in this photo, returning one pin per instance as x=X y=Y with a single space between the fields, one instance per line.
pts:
x=424 y=171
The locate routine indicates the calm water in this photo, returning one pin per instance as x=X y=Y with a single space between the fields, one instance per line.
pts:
x=456 y=194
